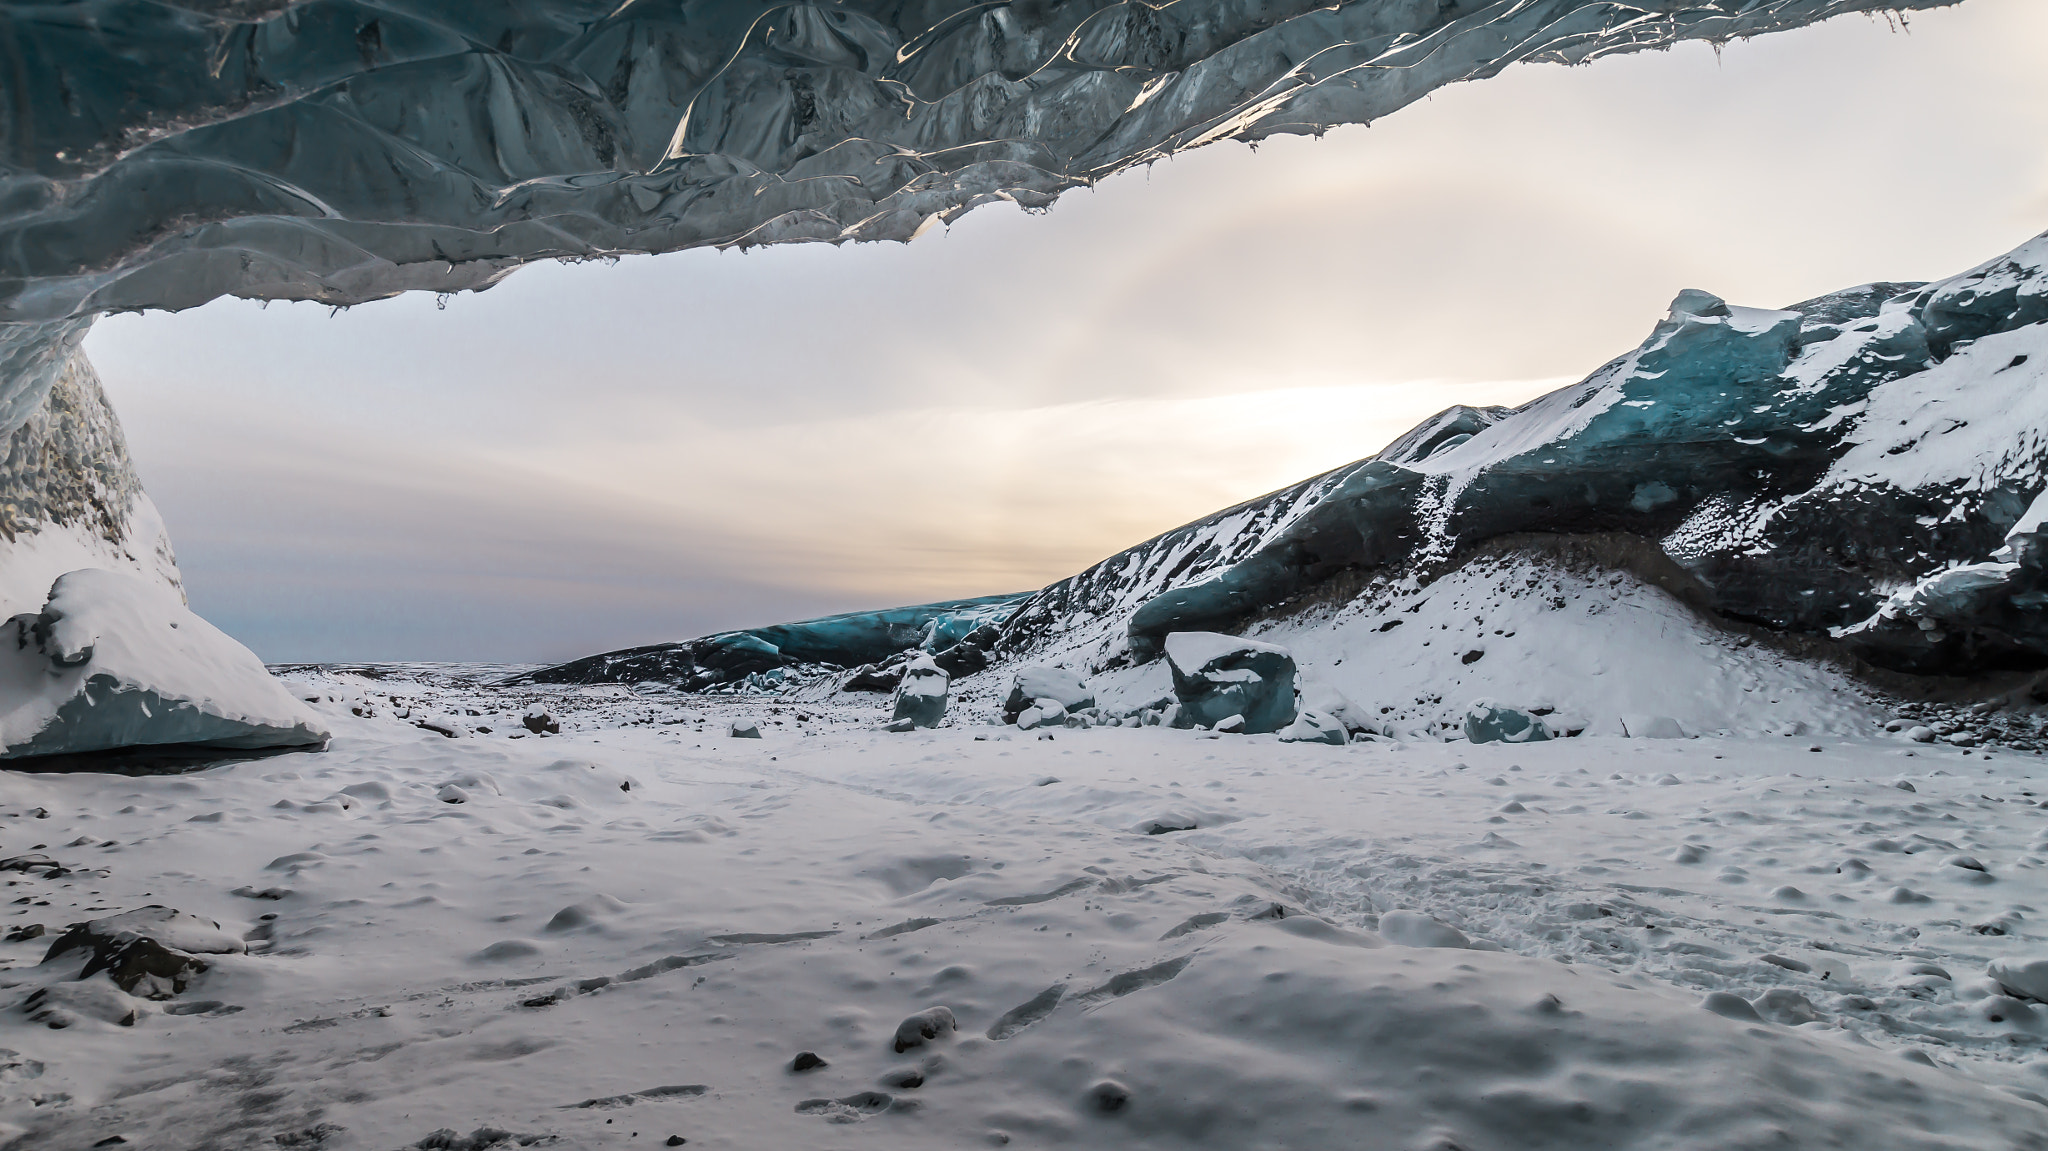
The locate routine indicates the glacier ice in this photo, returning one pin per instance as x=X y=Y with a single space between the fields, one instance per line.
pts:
x=1845 y=466
x=1314 y=727
x=729 y=659
x=921 y=696
x=113 y=661
x=1489 y=722
x=1231 y=684
x=160 y=155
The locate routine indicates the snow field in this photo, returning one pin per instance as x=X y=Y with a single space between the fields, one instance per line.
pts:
x=646 y=921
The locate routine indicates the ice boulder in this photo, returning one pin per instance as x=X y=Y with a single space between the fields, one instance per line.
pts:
x=921 y=696
x=1314 y=727
x=1217 y=676
x=1488 y=722
x=115 y=661
x=1035 y=683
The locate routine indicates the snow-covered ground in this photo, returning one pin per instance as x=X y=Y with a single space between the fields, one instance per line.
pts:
x=625 y=933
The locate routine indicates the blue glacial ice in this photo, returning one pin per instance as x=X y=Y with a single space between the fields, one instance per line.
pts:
x=786 y=655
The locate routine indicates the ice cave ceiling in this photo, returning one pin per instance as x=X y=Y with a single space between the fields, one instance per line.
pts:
x=160 y=153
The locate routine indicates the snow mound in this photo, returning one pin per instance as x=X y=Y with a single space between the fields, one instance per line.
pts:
x=115 y=661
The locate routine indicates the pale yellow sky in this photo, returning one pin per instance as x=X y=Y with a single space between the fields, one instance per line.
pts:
x=591 y=456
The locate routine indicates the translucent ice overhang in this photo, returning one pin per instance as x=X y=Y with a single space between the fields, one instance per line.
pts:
x=160 y=153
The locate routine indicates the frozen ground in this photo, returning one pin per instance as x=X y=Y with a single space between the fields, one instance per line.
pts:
x=626 y=932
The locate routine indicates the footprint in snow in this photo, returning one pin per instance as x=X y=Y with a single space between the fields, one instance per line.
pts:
x=1032 y=1010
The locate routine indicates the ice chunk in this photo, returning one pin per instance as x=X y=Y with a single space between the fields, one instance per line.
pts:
x=1651 y=727
x=1219 y=676
x=1488 y=722
x=1035 y=682
x=116 y=661
x=1042 y=713
x=921 y=697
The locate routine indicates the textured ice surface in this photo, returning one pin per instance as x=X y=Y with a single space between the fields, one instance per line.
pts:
x=161 y=155
x=114 y=661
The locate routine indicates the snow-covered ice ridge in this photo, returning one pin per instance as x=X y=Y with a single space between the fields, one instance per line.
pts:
x=628 y=933
x=1868 y=465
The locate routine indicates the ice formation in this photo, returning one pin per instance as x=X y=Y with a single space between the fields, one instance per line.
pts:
x=1846 y=466
x=1221 y=678
x=113 y=661
x=160 y=155
x=921 y=696
x=764 y=659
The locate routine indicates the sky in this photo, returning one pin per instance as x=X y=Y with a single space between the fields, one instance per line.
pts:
x=595 y=455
